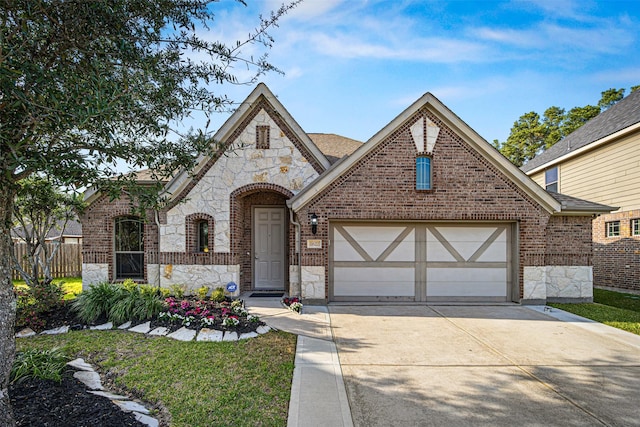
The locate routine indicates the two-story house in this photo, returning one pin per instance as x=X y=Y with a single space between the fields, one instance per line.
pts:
x=600 y=162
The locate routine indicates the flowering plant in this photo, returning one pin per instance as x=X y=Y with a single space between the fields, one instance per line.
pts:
x=205 y=313
x=293 y=303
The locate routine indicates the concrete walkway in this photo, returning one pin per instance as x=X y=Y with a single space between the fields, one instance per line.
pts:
x=318 y=396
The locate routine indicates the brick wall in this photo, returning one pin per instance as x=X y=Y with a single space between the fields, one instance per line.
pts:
x=616 y=260
x=569 y=241
x=466 y=187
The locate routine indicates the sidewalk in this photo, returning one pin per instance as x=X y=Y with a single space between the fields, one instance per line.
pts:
x=318 y=395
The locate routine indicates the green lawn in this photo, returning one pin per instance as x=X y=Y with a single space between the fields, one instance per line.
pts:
x=615 y=309
x=72 y=286
x=244 y=383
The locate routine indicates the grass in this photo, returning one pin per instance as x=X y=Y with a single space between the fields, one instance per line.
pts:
x=72 y=286
x=244 y=383
x=615 y=309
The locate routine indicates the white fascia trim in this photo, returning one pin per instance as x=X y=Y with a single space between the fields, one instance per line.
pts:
x=592 y=146
x=177 y=184
x=453 y=121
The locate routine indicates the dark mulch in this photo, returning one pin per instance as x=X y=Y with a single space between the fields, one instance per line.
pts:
x=46 y=403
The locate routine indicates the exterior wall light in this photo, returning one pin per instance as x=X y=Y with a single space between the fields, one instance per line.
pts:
x=314 y=223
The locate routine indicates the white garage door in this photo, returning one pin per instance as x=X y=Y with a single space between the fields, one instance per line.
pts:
x=420 y=262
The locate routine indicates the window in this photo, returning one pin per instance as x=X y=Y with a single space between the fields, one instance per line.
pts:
x=551 y=179
x=263 y=136
x=423 y=173
x=129 y=248
x=635 y=227
x=613 y=229
x=202 y=243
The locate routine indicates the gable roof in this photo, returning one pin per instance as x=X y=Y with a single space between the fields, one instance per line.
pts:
x=618 y=120
x=456 y=124
x=183 y=178
x=333 y=146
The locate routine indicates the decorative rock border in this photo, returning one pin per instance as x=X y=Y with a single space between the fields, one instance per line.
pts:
x=91 y=379
x=182 y=334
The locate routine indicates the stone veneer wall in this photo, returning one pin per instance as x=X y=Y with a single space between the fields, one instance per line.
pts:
x=93 y=274
x=616 y=260
x=193 y=276
x=282 y=164
x=558 y=283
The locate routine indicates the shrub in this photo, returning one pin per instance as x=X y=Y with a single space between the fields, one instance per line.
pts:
x=178 y=290
x=217 y=295
x=97 y=301
x=42 y=364
x=202 y=292
x=32 y=302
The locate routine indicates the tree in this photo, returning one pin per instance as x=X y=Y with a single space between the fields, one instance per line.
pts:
x=610 y=97
x=86 y=84
x=39 y=209
x=529 y=136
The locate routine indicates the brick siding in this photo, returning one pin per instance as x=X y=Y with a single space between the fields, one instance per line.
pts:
x=616 y=260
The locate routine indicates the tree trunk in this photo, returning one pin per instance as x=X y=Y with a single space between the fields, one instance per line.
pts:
x=7 y=303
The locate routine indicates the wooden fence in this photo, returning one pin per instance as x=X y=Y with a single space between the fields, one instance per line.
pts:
x=66 y=263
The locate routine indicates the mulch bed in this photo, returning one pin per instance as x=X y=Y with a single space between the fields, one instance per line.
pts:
x=46 y=403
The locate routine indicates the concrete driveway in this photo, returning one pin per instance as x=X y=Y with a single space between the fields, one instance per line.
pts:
x=484 y=365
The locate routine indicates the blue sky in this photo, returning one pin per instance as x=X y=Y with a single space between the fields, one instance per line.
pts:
x=351 y=66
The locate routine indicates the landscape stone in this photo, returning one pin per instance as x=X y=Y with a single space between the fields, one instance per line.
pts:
x=142 y=328
x=125 y=325
x=145 y=419
x=90 y=379
x=207 y=334
x=248 y=335
x=183 y=334
x=230 y=336
x=108 y=395
x=160 y=330
x=102 y=327
x=80 y=364
x=263 y=329
x=26 y=332
x=130 y=406
x=56 y=331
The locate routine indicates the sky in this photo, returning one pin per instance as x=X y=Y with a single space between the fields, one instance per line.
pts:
x=351 y=66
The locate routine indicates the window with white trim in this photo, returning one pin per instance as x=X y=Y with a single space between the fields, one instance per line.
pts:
x=635 y=227
x=423 y=173
x=551 y=179
x=613 y=229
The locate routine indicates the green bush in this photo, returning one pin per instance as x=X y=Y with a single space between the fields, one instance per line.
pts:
x=202 y=292
x=178 y=290
x=97 y=301
x=32 y=302
x=42 y=364
x=118 y=303
x=217 y=294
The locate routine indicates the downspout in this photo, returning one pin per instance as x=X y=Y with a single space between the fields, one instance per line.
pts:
x=299 y=249
x=157 y=219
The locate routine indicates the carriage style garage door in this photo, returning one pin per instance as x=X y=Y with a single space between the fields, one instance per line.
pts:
x=420 y=262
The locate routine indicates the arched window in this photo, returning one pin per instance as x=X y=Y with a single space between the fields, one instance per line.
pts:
x=129 y=248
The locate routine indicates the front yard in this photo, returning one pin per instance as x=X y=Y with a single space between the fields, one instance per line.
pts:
x=243 y=383
x=615 y=309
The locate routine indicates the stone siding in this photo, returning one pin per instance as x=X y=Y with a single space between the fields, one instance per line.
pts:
x=558 y=283
x=281 y=164
x=93 y=274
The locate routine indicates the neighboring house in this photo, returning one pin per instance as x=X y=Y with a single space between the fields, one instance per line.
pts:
x=600 y=161
x=72 y=233
x=426 y=211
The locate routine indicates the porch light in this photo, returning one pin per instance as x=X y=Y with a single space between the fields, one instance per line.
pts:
x=314 y=223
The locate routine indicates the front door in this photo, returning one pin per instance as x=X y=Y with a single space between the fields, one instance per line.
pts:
x=269 y=247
